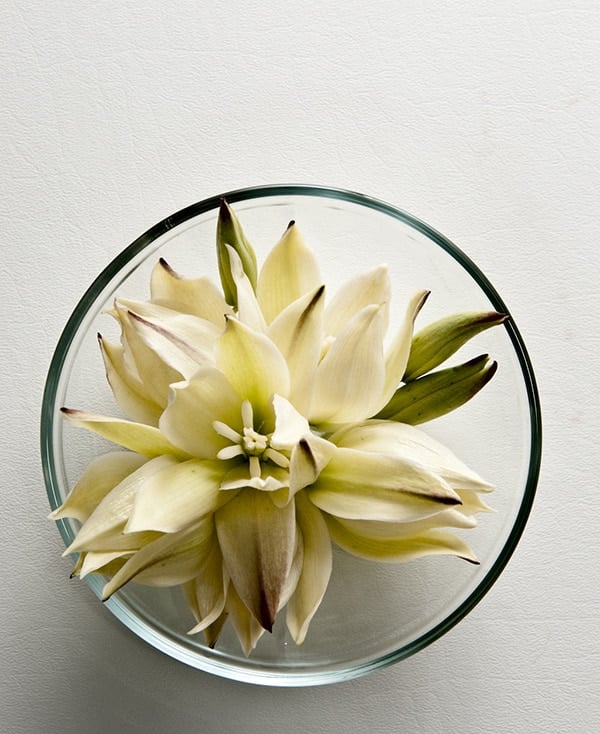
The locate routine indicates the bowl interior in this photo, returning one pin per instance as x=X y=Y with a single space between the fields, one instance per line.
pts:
x=372 y=613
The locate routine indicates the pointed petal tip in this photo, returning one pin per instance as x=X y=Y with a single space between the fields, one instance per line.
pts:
x=224 y=210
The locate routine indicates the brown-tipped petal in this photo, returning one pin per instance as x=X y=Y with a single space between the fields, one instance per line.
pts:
x=138 y=437
x=298 y=331
x=389 y=550
x=258 y=541
x=196 y=296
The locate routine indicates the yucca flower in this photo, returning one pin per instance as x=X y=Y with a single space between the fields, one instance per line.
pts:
x=263 y=425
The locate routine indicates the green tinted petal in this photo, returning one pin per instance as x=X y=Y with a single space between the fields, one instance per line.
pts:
x=138 y=437
x=253 y=365
x=441 y=339
x=230 y=232
x=438 y=393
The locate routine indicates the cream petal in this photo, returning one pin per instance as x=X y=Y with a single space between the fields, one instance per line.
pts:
x=449 y=518
x=295 y=571
x=100 y=477
x=181 y=341
x=290 y=425
x=107 y=563
x=172 y=499
x=170 y=560
x=247 y=629
x=150 y=368
x=254 y=366
x=248 y=310
x=289 y=271
x=129 y=392
x=194 y=406
x=359 y=485
x=209 y=590
x=400 y=439
x=272 y=478
x=396 y=357
x=316 y=569
x=430 y=542
x=138 y=437
x=196 y=296
x=350 y=377
x=107 y=521
x=372 y=287
x=257 y=540
x=297 y=332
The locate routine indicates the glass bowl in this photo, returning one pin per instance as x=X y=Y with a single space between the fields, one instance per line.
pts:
x=372 y=614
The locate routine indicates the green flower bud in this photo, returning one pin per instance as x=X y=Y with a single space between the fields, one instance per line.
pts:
x=440 y=340
x=439 y=392
x=230 y=232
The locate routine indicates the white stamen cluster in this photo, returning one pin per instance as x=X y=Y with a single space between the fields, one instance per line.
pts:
x=250 y=443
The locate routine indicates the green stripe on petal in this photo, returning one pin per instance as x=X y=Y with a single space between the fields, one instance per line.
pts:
x=258 y=542
x=430 y=542
x=138 y=437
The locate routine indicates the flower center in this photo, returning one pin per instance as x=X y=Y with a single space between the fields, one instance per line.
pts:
x=250 y=443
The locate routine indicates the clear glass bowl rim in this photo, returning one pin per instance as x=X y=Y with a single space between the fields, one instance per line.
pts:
x=288 y=678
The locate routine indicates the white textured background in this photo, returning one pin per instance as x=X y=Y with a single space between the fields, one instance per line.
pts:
x=481 y=118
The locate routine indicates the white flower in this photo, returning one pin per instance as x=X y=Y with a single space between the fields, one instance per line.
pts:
x=253 y=443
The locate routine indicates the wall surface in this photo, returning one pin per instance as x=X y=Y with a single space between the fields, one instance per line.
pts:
x=479 y=117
